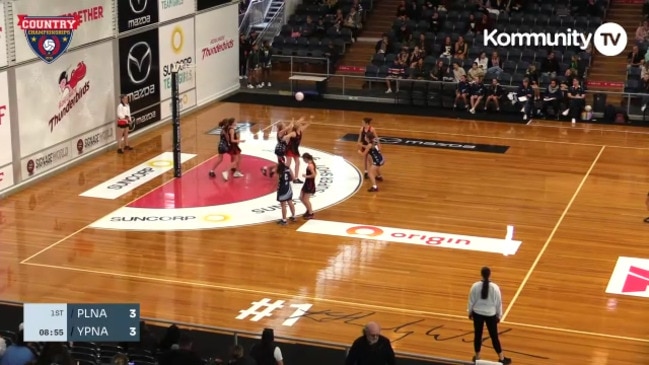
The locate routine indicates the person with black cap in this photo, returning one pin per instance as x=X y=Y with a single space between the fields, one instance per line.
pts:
x=486 y=307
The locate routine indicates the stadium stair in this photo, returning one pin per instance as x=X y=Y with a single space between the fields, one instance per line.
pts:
x=609 y=73
x=360 y=53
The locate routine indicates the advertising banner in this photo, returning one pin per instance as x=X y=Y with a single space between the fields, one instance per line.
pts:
x=133 y=14
x=177 y=48
x=95 y=16
x=145 y=117
x=187 y=101
x=172 y=9
x=206 y=4
x=139 y=65
x=95 y=139
x=6 y=155
x=3 y=37
x=217 y=53
x=59 y=101
x=6 y=177
x=45 y=160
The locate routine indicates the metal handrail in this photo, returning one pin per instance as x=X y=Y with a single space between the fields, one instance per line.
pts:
x=272 y=22
x=255 y=13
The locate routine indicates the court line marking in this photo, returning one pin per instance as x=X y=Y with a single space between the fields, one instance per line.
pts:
x=24 y=262
x=490 y=137
x=454 y=317
x=551 y=236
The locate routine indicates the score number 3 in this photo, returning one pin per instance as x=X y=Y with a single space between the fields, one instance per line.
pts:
x=132 y=331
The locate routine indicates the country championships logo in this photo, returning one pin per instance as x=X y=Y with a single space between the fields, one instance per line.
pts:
x=49 y=36
x=610 y=39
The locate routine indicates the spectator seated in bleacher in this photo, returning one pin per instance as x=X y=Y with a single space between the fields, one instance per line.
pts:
x=183 y=355
x=475 y=73
x=18 y=353
x=550 y=66
x=552 y=99
x=642 y=33
x=397 y=70
x=462 y=92
x=494 y=93
x=477 y=91
x=495 y=64
x=635 y=58
x=525 y=98
x=55 y=353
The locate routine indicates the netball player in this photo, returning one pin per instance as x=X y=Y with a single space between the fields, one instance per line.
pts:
x=234 y=151
x=308 y=189
x=223 y=146
x=373 y=150
x=285 y=191
x=123 y=123
x=362 y=141
x=280 y=148
x=293 y=153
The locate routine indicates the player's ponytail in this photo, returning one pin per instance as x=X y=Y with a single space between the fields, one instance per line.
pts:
x=223 y=123
x=486 y=273
x=309 y=158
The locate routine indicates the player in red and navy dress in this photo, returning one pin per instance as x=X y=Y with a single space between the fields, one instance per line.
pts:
x=235 y=150
x=280 y=148
x=293 y=153
x=223 y=146
x=362 y=142
x=308 y=189
x=373 y=150
x=285 y=191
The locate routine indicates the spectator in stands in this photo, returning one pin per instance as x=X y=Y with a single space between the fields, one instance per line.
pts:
x=447 y=48
x=238 y=357
x=147 y=341
x=55 y=353
x=461 y=48
x=244 y=49
x=356 y=4
x=183 y=355
x=483 y=24
x=402 y=10
x=439 y=72
x=266 y=61
x=397 y=70
x=331 y=53
x=414 y=11
x=634 y=59
x=644 y=71
x=525 y=96
x=266 y=352
x=592 y=8
x=494 y=93
x=171 y=338
x=332 y=5
x=533 y=75
x=18 y=353
x=550 y=66
x=308 y=27
x=353 y=23
x=462 y=91
x=418 y=70
x=435 y=23
x=383 y=46
x=415 y=56
x=472 y=25
x=483 y=61
x=475 y=73
x=495 y=64
x=339 y=19
x=423 y=45
x=458 y=72
x=576 y=95
x=409 y=42
x=254 y=67
x=642 y=33
x=403 y=34
x=515 y=6
x=320 y=29
x=371 y=348
x=477 y=93
x=552 y=99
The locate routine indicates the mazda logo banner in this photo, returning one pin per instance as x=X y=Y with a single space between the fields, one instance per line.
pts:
x=133 y=14
x=139 y=62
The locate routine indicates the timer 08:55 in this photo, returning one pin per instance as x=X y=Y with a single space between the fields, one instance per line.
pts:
x=54 y=332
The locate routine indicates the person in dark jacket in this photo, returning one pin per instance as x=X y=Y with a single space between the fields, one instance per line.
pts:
x=183 y=355
x=371 y=348
x=266 y=352
x=238 y=357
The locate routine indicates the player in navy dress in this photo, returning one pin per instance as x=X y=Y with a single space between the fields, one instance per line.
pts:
x=234 y=151
x=285 y=191
x=293 y=153
x=280 y=148
x=373 y=150
x=308 y=189
x=223 y=146
x=362 y=142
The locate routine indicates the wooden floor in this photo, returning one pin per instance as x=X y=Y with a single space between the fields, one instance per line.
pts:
x=575 y=196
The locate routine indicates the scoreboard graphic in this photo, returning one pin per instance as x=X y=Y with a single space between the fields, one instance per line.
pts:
x=55 y=322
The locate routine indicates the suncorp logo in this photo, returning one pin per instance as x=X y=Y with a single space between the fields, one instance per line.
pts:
x=609 y=39
x=177 y=43
x=166 y=4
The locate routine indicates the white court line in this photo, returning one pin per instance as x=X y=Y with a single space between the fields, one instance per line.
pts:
x=551 y=236
x=89 y=224
x=453 y=317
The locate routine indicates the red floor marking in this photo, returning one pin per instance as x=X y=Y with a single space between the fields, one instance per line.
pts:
x=196 y=189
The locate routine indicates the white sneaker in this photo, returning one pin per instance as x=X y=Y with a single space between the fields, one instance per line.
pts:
x=389 y=91
x=240 y=77
x=565 y=112
x=225 y=175
x=250 y=86
x=573 y=121
x=523 y=110
x=472 y=111
x=269 y=84
x=524 y=116
x=262 y=84
x=643 y=108
x=237 y=174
